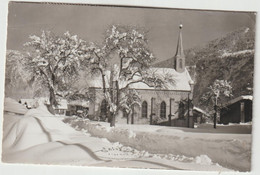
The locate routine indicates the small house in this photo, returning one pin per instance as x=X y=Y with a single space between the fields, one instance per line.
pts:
x=238 y=110
x=77 y=107
x=61 y=108
x=199 y=115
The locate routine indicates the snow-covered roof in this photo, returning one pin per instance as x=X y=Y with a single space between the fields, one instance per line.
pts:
x=63 y=104
x=182 y=80
x=80 y=103
x=243 y=97
x=200 y=110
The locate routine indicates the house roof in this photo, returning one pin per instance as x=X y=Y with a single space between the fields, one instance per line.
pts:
x=182 y=80
x=79 y=103
x=200 y=110
x=63 y=104
x=243 y=97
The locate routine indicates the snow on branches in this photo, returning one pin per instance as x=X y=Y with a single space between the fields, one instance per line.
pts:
x=55 y=61
x=15 y=72
x=217 y=91
x=129 y=46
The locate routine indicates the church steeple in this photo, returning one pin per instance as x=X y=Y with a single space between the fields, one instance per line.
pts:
x=179 y=58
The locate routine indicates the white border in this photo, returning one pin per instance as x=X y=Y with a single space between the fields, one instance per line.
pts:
x=223 y=5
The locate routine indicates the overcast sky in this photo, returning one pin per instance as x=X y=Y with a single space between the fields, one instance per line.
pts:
x=90 y=22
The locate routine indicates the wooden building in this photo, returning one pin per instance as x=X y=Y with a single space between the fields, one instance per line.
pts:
x=199 y=115
x=238 y=110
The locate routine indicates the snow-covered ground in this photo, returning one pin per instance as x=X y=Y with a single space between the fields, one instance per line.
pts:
x=222 y=145
x=36 y=136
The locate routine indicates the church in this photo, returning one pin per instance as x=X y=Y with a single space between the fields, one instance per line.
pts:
x=170 y=107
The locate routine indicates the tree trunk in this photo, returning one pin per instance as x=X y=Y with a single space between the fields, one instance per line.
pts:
x=104 y=83
x=215 y=117
x=113 y=120
x=127 y=119
x=53 y=101
x=215 y=114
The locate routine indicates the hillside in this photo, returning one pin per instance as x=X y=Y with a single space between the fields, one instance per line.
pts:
x=230 y=57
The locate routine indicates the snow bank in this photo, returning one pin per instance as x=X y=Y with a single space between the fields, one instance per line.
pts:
x=41 y=110
x=203 y=160
x=47 y=140
x=11 y=105
x=36 y=139
x=229 y=150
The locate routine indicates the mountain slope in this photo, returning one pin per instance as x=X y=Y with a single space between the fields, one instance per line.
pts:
x=230 y=57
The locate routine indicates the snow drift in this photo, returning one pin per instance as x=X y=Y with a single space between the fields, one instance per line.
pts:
x=41 y=138
x=229 y=150
x=11 y=105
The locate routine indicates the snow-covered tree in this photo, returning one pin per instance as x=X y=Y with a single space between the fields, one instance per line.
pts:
x=217 y=94
x=54 y=61
x=15 y=72
x=129 y=100
x=17 y=78
x=129 y=46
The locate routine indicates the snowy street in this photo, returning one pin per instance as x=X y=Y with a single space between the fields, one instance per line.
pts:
x=39 y=137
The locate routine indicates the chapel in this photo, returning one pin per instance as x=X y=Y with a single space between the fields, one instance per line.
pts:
x=171 y=106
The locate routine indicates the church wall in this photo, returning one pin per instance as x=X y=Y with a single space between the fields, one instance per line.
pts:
x=160 y=96
x=146 y=95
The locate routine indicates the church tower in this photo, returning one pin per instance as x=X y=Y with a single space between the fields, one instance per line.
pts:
x=179 y=58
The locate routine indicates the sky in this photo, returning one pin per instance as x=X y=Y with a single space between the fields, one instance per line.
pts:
x=91 y=22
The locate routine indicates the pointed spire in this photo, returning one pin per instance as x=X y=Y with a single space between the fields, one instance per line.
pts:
x=179 y=58
x=179 y=50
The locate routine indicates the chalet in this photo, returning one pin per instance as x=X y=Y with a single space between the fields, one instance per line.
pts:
x=238 y=110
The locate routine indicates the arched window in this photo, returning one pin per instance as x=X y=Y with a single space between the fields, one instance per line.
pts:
x=103 y=107
x=163 y=110
x=180 y=63
x=144 y=109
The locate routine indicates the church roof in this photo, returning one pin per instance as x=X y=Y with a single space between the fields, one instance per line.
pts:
x=169 y=63
x=182 y=80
